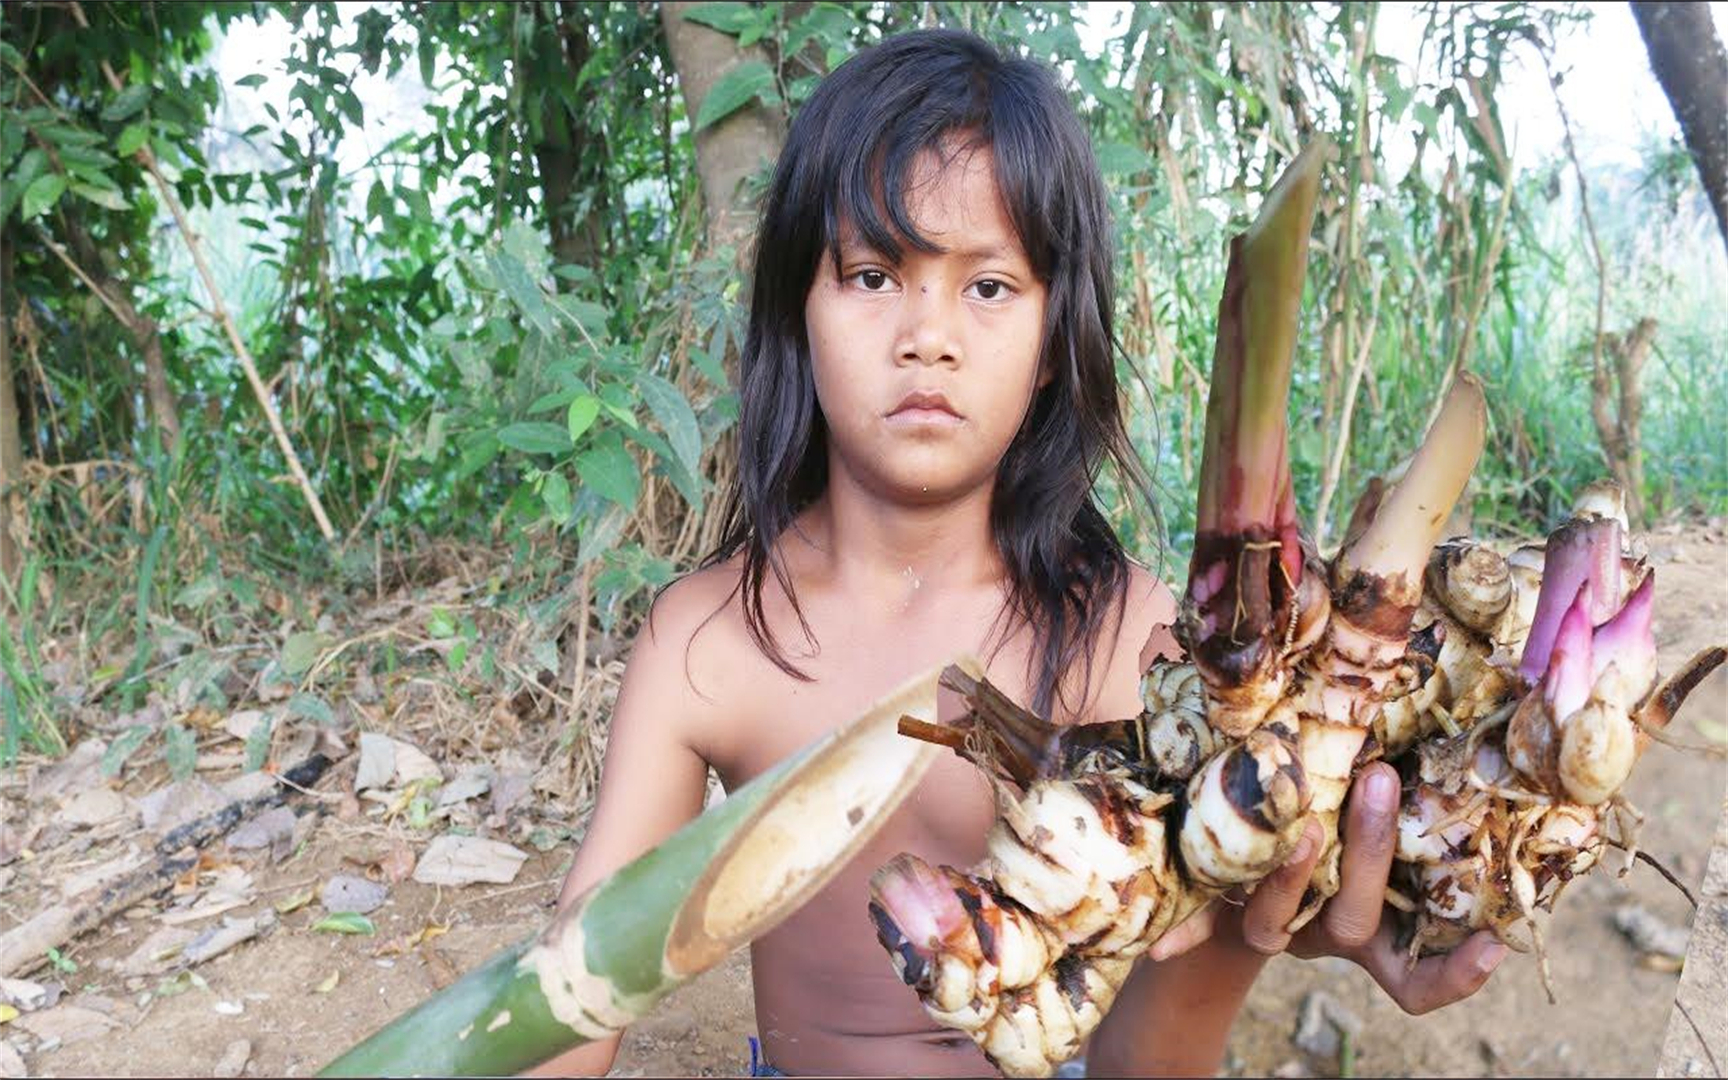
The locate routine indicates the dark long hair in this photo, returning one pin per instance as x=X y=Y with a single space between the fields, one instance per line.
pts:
x=847 y=158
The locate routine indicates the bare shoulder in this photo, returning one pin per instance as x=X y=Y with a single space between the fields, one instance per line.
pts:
x=1149 y=597
x=689 y=606
x=1142 y=635
x=1152 y=632
x=693 y=649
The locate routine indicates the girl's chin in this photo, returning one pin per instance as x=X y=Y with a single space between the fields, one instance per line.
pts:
x=924 y=487
x=916 y=474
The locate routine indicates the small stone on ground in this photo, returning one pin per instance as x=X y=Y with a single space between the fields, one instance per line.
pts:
x=347 y=893
x=233 y=1060
x=1322 y=1023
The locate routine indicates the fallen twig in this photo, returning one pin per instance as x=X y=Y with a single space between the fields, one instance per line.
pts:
x=25 y=947
x=148 y=159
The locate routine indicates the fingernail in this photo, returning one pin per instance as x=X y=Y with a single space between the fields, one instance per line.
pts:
x=1304 y=848
x=1381 y=791
x=1489 y=958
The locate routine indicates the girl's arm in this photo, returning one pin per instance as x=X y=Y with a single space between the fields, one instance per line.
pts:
x=1174 y=1013
x=653 y=779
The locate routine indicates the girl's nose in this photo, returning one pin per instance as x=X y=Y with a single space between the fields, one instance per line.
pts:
x=927 y=329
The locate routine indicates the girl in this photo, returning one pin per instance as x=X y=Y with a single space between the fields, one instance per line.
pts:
x=927 y=394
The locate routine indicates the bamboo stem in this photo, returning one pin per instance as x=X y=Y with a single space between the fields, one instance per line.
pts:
x=148 y=159
x=717 y=884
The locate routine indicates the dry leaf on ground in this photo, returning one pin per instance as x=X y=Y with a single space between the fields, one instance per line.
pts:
x=464 y=860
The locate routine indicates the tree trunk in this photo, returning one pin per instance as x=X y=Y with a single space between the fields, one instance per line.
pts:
x=11 y=442
x=158 y=397
x=566 y=145
x=1618 y=409
x=729 y=152
x=1692 y=67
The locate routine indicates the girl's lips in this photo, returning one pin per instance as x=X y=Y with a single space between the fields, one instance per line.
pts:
x=923 y=417
x=922 y=407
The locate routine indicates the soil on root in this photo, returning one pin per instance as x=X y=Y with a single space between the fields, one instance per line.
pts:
x=1613 y=1005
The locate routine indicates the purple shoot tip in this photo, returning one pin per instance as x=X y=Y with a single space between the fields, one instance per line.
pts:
x=1628 y=642
x=1579 y=552
x=1566 y=685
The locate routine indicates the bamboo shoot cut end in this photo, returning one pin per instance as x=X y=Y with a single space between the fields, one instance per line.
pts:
x=821 y=814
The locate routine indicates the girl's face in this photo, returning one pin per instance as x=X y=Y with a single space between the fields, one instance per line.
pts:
x=925 y=368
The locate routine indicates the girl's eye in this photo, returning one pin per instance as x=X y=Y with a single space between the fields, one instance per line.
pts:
x=991 y=289
x=872 y=280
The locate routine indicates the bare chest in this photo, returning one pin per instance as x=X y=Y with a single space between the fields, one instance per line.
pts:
x=853 y=667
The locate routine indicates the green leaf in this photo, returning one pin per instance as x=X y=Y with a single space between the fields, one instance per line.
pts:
x=712 y=361
x=313 y=708
x=585 y=315
x=599 y=536
x=104 y=197
x=528 y=246
x=616 y=400
x=135 y=136
x=554 y=399
x=582 y=413
x=476 y=455
x=124 y=746
x=733 y=91
x=535 y=437
x=522 y=290
x=440 y=624
x=250 y=82
x=64 y=964
x=42 y=194
x=1122 y=159
x=830 y=24
x=684 y=479
x=258 y=744
x=349 y=103
x=1428 y=116
x=200 y=591
x=555 y=492
x=727 y=18
x=126 y=103
x=611 y=472
x=377 y=201
x=427 y=53
x=30 y=166
x=181 y=751
x=301 y=651
x=677 y=418
x=345 y=922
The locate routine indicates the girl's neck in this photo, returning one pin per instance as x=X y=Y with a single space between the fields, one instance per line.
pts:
x=874 y=542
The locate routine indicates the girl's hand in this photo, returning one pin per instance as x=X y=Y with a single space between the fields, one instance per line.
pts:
x=1350 y=925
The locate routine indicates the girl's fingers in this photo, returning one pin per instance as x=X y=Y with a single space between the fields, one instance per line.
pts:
x=1435 y=981
x=1277 y=898
x=1190 y=932
x=1370 y=839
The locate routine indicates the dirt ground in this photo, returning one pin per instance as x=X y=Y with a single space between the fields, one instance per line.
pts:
x=278 y=993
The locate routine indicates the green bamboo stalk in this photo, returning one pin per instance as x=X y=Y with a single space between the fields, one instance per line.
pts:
x=719 y=883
